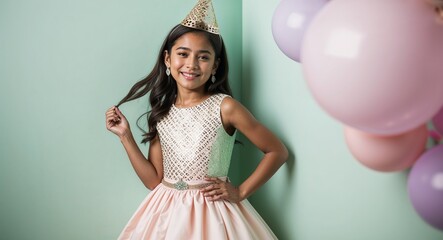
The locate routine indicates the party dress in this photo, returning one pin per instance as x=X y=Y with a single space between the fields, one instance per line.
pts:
x=194 y=145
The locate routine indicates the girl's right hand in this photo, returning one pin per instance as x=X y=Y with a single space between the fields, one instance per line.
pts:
x=116 y=122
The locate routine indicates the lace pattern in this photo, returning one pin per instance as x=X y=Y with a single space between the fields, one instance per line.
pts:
x=194 y=143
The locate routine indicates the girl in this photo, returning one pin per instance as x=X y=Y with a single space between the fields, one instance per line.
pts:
x=192 y=128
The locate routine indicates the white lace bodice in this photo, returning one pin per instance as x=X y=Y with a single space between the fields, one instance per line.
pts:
x=194 y=143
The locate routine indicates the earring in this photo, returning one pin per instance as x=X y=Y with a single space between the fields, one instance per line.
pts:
x=168 y=72
x=213 y=79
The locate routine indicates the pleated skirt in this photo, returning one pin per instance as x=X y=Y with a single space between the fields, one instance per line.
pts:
x=171 y=214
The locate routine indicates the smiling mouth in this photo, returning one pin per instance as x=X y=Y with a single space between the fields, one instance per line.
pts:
x=190 y=76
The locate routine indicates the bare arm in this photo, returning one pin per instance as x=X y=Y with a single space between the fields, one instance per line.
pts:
x=235 y=116
x=150 y=171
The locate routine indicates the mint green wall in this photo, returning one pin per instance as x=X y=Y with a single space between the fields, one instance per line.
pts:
x=322 y=192
x=62 y=64
x=63 y=176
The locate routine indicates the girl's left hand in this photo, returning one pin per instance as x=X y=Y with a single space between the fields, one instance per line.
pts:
x=221 y=190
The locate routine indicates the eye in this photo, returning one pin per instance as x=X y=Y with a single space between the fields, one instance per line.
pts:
x=204 y=58
x=182 y=54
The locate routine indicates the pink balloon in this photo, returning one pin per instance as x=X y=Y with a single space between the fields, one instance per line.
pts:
x=289 y=23
x=437 y=121
x=435 y=136
x=387 y=153
x=376 y=65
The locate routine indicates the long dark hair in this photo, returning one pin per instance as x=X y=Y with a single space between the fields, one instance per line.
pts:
x=163 y=89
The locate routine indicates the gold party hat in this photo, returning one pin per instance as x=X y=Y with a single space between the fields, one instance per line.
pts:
x=202 y=17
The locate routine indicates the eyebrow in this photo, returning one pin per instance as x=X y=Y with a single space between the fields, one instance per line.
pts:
x=188 y=49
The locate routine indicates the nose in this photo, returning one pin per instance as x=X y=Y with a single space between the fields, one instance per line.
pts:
x=192 y=62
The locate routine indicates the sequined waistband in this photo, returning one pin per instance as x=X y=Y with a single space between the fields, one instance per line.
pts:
x=182 y=185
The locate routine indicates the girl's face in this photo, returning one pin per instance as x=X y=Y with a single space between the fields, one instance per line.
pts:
x=191 y=61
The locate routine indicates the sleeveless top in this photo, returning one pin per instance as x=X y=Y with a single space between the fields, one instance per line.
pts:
x=194 y=143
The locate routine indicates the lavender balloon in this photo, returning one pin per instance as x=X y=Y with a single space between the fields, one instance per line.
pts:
x=437 y=121
x=289 y=23
x=425 y=186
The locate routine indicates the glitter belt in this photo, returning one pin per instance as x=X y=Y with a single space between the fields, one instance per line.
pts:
x=181 y=185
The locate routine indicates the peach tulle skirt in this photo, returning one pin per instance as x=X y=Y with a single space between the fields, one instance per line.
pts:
x=167 y=213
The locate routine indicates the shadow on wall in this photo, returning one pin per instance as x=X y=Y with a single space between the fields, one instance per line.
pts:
x=274 y=197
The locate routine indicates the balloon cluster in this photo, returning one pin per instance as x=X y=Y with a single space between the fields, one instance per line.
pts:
x=377 y=67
